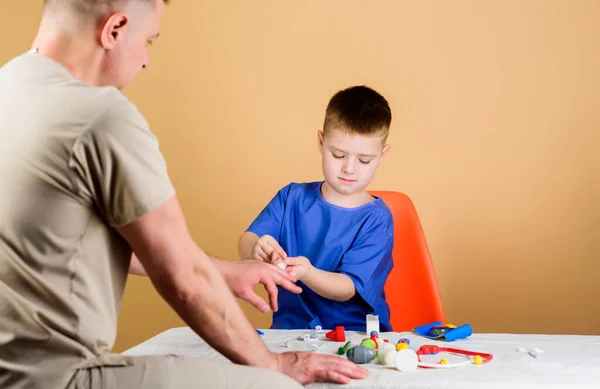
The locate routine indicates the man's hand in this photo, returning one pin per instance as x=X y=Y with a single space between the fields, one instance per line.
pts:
x=241 y=276
x=299 y=267
x=268 y=249
x=308 y=367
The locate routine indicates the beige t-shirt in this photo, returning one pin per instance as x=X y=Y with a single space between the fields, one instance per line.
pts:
x=75 y=162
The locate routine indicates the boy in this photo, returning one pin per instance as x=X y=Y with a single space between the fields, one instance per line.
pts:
x=335 y=238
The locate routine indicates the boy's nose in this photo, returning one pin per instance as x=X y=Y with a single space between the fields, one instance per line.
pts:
x=348 y=168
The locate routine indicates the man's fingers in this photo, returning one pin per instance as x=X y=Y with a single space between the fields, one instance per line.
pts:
x=340 y=370
x=256 y=301
x=290 y=286
x=284 y=280
x=281 y=273
x=334 y=376
x=346 y=368
x=272 y=291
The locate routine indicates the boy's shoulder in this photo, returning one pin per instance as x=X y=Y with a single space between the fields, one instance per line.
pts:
x=380 y=213
x=298 y=188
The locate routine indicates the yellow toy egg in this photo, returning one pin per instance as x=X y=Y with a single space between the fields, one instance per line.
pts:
x=443 y=361
x=401 y=346
x=477 y=360
x=450 y=326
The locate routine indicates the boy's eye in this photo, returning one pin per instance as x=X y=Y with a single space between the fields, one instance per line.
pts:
x=337 y=156
x=365 y=162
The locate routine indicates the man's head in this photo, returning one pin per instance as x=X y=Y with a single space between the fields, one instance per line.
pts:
x=115 y=33
x=352 y=143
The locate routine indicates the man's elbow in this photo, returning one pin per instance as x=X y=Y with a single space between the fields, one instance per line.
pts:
x=174 y=289
x=182 y=285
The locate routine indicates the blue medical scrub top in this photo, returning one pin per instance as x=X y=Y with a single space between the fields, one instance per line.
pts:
x=356 y=242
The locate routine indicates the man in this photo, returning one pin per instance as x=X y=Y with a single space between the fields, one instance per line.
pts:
x=83 y=185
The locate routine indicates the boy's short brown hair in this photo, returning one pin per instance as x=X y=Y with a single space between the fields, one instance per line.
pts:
x=360 y=110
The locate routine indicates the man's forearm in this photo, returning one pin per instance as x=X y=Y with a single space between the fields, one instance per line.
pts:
x=191 y=284
x=203 y=300
x=334 y=286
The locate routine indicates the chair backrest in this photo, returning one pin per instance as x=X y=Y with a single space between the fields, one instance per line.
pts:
x=411 y=289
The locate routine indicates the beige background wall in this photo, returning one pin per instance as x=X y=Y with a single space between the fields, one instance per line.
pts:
x=495 y=136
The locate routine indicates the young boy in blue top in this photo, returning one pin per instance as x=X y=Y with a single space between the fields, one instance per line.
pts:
x=334 y=236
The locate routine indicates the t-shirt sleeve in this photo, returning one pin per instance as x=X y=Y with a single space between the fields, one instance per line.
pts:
x=116 y=164
x=368 y=262
x=270 y=219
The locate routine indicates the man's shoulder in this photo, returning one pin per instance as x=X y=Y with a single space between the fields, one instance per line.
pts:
x=48 y=88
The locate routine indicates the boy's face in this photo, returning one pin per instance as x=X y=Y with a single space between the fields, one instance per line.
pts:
x=350 y=160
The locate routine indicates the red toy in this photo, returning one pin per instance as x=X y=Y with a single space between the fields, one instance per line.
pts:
x=373 y=338
x=337 y=335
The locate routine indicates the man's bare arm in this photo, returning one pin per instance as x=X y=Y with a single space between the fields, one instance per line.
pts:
x=191 y=284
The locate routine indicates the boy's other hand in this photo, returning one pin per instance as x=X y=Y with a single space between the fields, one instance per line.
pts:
x=298 y=267
x=268 y=249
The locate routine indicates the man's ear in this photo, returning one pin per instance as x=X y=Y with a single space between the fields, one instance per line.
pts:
x=320 y=138
x=113 y=29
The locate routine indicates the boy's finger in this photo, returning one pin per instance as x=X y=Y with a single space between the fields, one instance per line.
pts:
x=267 y=248
x=275 y=256
x=291 y=261
x=277 y=247
x=262 y=255
x=291 y=271
x=281 y=252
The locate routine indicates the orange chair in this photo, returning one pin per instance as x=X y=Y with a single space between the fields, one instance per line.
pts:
x=411 y=289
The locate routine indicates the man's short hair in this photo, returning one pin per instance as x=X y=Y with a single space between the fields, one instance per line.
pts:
x=88 y=8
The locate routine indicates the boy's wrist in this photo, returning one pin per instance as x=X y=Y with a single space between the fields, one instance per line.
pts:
x=310 y=272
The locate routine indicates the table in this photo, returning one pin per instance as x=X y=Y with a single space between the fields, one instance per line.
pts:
x=568 y=361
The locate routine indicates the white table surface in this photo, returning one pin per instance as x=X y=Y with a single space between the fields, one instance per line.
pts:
x=568 y=361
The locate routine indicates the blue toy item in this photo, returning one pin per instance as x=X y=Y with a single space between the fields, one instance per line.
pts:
x=448 y=333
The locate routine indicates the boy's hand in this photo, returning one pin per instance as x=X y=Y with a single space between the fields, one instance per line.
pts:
x=299 y=267
x=268 y=249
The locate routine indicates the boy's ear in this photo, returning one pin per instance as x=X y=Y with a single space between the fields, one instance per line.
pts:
x=320 y=137
x=385 y=150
